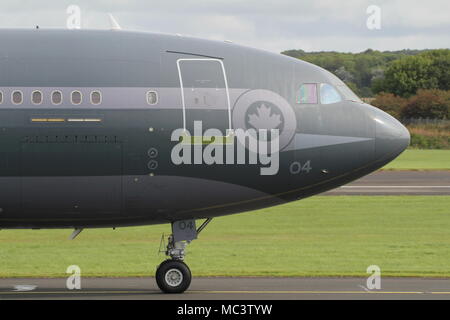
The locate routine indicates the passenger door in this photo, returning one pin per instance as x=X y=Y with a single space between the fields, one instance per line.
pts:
x=204 y=93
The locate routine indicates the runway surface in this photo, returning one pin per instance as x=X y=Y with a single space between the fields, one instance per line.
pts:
x=229 y=289
x=398 y=183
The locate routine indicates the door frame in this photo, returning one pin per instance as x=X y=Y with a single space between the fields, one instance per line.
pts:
x=230 y=128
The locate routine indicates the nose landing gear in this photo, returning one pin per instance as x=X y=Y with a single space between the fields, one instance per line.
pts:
x=173 y=275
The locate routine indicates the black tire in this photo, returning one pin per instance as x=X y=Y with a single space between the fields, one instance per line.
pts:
x=173 y=276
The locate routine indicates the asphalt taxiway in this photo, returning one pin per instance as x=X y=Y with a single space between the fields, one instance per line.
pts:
x=229 y=289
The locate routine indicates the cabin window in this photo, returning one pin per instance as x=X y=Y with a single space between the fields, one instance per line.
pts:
x=1 y=97
x=308 y=93
x=328 y=94
x=36 y=97
x=17 y=97
x=76 y=97
x=96 y=97
x=152 y=97
x=56 y=97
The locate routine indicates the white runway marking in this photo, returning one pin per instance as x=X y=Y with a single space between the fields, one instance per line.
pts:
x=24 y=288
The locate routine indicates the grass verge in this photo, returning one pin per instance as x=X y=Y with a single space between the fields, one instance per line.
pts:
x=320 y=236
x=413 y=159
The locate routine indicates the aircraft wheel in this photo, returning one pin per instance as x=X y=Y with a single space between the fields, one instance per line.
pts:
x=173 y=276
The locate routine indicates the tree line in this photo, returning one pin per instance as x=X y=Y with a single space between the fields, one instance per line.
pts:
x=407 y=83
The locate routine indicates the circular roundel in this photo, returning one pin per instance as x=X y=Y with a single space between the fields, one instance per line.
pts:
x=264 y=109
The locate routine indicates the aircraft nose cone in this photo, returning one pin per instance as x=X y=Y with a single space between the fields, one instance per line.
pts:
x=392 y=138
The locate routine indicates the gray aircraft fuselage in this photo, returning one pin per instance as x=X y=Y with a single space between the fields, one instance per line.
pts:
x=88 y=122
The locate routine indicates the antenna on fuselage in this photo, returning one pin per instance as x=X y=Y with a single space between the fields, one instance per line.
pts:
x=114 y=24
x=75 y=233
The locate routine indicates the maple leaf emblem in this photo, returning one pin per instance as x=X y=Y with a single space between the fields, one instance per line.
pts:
x=264 y=119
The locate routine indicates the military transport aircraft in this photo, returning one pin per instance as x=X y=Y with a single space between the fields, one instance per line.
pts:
x=116 y=128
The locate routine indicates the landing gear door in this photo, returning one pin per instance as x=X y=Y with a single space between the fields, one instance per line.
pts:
x=204 y=93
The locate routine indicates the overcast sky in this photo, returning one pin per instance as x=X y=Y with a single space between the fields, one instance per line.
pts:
x=276 y=25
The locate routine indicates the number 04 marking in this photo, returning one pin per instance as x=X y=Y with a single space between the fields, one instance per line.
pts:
x=297 y=168
x=183 y=225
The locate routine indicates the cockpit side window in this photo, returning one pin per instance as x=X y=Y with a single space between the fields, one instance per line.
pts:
x=308 y=94
x=328 y=94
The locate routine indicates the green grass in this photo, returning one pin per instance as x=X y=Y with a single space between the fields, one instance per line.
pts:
x=320 y=236
x=413 y=159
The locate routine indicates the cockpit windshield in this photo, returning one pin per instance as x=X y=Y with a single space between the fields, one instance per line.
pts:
x=347 y=93
x=344 y=90
x=325 y=93
x=328 y=94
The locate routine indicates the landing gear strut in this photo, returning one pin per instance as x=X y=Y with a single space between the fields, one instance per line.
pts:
x=173 y=275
